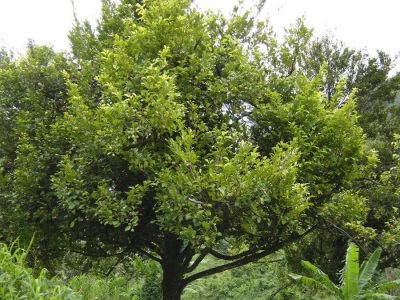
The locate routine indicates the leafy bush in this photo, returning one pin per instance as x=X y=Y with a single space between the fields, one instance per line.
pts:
x=93 y=287
x=136 y=279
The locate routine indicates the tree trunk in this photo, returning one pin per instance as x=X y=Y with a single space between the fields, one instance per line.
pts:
x=172 y=267
x=171 y=286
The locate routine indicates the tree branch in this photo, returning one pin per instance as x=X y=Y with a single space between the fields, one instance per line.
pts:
x=188 y=254
x=113 y=266
x=197 y=261
x=272 y=296
x=329 y=224
x=247 y=259
x=145 y=253
x=95 y=255
x=238 y=263
x=232 y=257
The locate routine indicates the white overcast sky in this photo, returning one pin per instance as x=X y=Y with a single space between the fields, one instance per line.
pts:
x=369 y=24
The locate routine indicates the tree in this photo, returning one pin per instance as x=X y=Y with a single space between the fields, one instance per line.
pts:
x=390 y=182
x=33 y=93
x=375 y=84
x=354 y=279
x=175 y=134
x=371 y=76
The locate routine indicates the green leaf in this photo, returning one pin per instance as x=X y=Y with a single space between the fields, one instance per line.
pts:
x=368 y=268
x=320 y=276
x=350 y=273
x=314 y=283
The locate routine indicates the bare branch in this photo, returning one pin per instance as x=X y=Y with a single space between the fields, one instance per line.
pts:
x=75 y=15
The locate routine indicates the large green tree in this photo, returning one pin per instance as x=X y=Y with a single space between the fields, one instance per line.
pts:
x=170 y=131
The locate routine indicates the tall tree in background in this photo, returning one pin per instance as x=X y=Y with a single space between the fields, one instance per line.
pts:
x=170 y=131
x=33 y=94
x=375 y=87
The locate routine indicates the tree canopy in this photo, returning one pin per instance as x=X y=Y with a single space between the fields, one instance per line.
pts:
x=168 y=132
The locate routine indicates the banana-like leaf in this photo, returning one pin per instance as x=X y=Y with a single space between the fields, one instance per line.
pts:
x=311 y=282
x=350 y=273
x=320 y=279
x=353 y=279
x=368 y=268
x=318 y=274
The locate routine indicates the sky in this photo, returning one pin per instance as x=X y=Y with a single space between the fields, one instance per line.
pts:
x=363 y=24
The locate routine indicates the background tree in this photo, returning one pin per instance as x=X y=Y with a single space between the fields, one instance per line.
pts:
x=375 y=85
x=33 y=94
x=390 y=184
x=171 y=131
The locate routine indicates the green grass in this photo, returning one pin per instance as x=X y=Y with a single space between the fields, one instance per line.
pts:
x=18 y=281
x=92 y=287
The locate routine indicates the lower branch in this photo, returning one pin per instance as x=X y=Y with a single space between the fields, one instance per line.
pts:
x=247 y=259
x=272 y=296
x=114 y=266
x=228 y=266
x=145 y=253
x=96 y=255
x=232 y=257
x=198 y=260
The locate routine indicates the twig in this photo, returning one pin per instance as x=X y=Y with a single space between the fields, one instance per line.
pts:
x=272 y=296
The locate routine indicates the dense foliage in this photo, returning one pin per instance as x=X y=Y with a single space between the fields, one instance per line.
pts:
x=176 y=135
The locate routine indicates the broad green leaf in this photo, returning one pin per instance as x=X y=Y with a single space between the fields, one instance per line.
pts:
x=368 y=268
x=315 y=283
x=321 y=276
x=350 y=273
